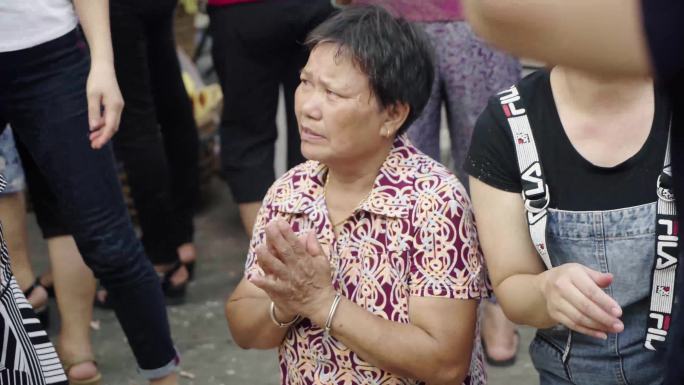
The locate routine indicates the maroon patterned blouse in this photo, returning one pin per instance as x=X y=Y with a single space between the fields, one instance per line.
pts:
x=413 y=236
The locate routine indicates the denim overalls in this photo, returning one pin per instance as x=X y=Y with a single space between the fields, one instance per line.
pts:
x=621 y=242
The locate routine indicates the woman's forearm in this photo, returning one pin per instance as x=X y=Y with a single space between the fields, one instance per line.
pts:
x=251 y=326
x=523 y=301
x=94 y=18
x=600 y=36
x=402 y=349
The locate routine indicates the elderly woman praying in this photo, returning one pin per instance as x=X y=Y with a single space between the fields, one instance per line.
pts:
x=364 y=265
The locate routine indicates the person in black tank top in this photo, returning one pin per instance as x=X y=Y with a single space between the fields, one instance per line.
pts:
x=601 y=144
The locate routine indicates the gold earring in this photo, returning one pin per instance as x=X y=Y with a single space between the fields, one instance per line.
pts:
x=386 y=133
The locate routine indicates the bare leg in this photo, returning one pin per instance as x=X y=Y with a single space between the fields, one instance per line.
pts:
x=248 y=214
x=13 y=218
x=74 y=288
x=46 y=278
x=187 y=252
x=171 y=379
x=180 y=277
x=498 y=333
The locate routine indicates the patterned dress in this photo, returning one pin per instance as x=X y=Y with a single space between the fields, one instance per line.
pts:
x=413 y=236
x=26 y=355
x=467 y=72
x=423 y=10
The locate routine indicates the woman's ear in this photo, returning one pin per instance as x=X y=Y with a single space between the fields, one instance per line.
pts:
x=397 y=114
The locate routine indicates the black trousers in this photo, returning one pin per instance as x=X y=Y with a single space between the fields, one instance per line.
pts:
x=157 y=140
x=256 y=48
x=43 y=98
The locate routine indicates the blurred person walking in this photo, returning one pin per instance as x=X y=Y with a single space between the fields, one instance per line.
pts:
x=157 y=141
x=257 y=47
x=63 y=103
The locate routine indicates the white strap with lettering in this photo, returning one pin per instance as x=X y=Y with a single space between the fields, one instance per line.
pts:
x=665 y=265
x=535 y=191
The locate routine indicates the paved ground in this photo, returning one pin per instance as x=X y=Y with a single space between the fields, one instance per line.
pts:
x=209 y=355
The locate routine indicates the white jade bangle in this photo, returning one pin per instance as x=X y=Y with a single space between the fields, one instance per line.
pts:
x=331 y=314
x=278 y=323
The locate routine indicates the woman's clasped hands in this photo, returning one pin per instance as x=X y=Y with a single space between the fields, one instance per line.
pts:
x=297 y=273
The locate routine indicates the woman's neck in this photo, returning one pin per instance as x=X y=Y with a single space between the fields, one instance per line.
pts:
x=595 y=94
x=356 y=176
x=606 y=119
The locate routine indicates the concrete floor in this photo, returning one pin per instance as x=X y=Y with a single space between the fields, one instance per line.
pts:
x=209 y=355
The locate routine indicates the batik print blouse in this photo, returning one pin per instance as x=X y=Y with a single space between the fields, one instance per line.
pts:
x=414 y=235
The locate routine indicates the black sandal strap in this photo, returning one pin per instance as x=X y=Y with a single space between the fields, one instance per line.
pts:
x=36 y=284
x=168 y=274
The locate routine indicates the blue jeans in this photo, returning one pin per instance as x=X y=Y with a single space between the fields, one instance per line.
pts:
x=10 y=165
x=621 y=242
x=42 y=96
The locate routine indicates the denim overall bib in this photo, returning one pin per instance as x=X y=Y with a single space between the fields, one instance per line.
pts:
x=621 y=242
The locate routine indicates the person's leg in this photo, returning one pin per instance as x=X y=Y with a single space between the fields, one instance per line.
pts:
x=499 y=335
x=424 y=132
x=138 y=143
x=245 y=37
x=13 y=217
x=474 y=72
x=303 y=16
x=74 y=289
x=73 y=280
x=290 y=81
x=179 y=131
x=52 y=122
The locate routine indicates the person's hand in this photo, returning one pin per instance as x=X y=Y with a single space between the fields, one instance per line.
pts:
x=297 y=274
x=104 y=104
x=575 y=299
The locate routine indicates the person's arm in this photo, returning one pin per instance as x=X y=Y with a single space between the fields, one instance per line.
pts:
x=434 y=347
x=247 y=309
x=569 y=294
x=601 y=36
x=104 y=97
x=250 y=323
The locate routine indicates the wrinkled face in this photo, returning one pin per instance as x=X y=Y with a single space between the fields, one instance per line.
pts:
x=339 y=118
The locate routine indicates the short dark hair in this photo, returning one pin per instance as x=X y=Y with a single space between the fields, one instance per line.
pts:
x=395 y=55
